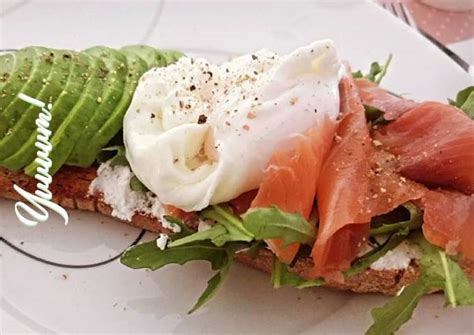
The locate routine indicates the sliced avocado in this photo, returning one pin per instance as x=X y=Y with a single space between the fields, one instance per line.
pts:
x=116 y=64
x=136 y=67
x=150 y=55
x=70 y=130
x=171 y=56
x=27 y=61
x=17 y=147
x=7 y=64
x=72 y=89
x=43 y=62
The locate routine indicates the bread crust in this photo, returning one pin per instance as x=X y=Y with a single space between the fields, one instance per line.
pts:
x=70 y=188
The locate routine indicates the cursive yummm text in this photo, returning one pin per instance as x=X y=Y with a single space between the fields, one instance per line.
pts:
x=41 y=200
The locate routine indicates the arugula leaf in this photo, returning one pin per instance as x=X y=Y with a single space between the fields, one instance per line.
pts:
x=255 y=247
x=357 y=74
x=443 y=272
x=381 y=74
x=398 y=310
x=373 y=114
x=218 y=235
x=213 y=285
x=465 y=101
x=114 y=153
x=438 y=271
x=377 y=72
x=137 y=185
x=414 y=222
x=184 y=231
x=216 y=281
x=462 y=96
x=468 y=106
x=366 y=260
x=149 y=256
x=191 y=246
x=269 y=223
x=228 y=228
x=283 y=276
x=223 y=216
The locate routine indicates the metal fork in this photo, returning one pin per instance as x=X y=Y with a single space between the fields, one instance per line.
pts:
x=399 y=10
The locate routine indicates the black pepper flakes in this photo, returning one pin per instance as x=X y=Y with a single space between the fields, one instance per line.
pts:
x=254 y=57
x=202 y=119
x=192 y=87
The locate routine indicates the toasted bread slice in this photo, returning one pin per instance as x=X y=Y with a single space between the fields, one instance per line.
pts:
x=70 y=189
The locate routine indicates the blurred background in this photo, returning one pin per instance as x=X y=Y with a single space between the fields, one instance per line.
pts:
x=56 y=23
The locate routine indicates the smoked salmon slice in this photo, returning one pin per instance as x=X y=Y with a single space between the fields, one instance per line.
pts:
x=342 y=189
x=242 y=203
x=435 y=145
x=291 y=178
x=374 y=96
x=187 y=217
x=449 y=221
x=357 y=182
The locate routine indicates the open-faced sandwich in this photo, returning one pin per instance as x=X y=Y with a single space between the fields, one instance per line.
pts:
x=292 y=164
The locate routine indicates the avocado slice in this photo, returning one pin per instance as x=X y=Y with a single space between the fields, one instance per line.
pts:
x=42 y=64
x=26 y=62
x=17 y=147
x=171 y=56
x=7 y=64
x=151 y=56
x=135 y=69
x=70 y=130
x=22 y=66
x=71 y=91
x=116 y=64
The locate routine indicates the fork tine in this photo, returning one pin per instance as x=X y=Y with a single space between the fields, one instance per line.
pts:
x=394 y=9
x=407 y=15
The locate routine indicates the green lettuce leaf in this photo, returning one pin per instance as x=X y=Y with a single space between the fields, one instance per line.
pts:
x=465 y=101
x=438 y=271
x=270 y=223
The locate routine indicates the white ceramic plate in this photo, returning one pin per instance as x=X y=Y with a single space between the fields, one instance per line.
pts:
x=50 y=295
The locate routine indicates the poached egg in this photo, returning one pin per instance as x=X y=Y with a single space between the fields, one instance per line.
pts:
x=197 y=133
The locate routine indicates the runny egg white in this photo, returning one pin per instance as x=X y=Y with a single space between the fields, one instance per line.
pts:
x=198 y=134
